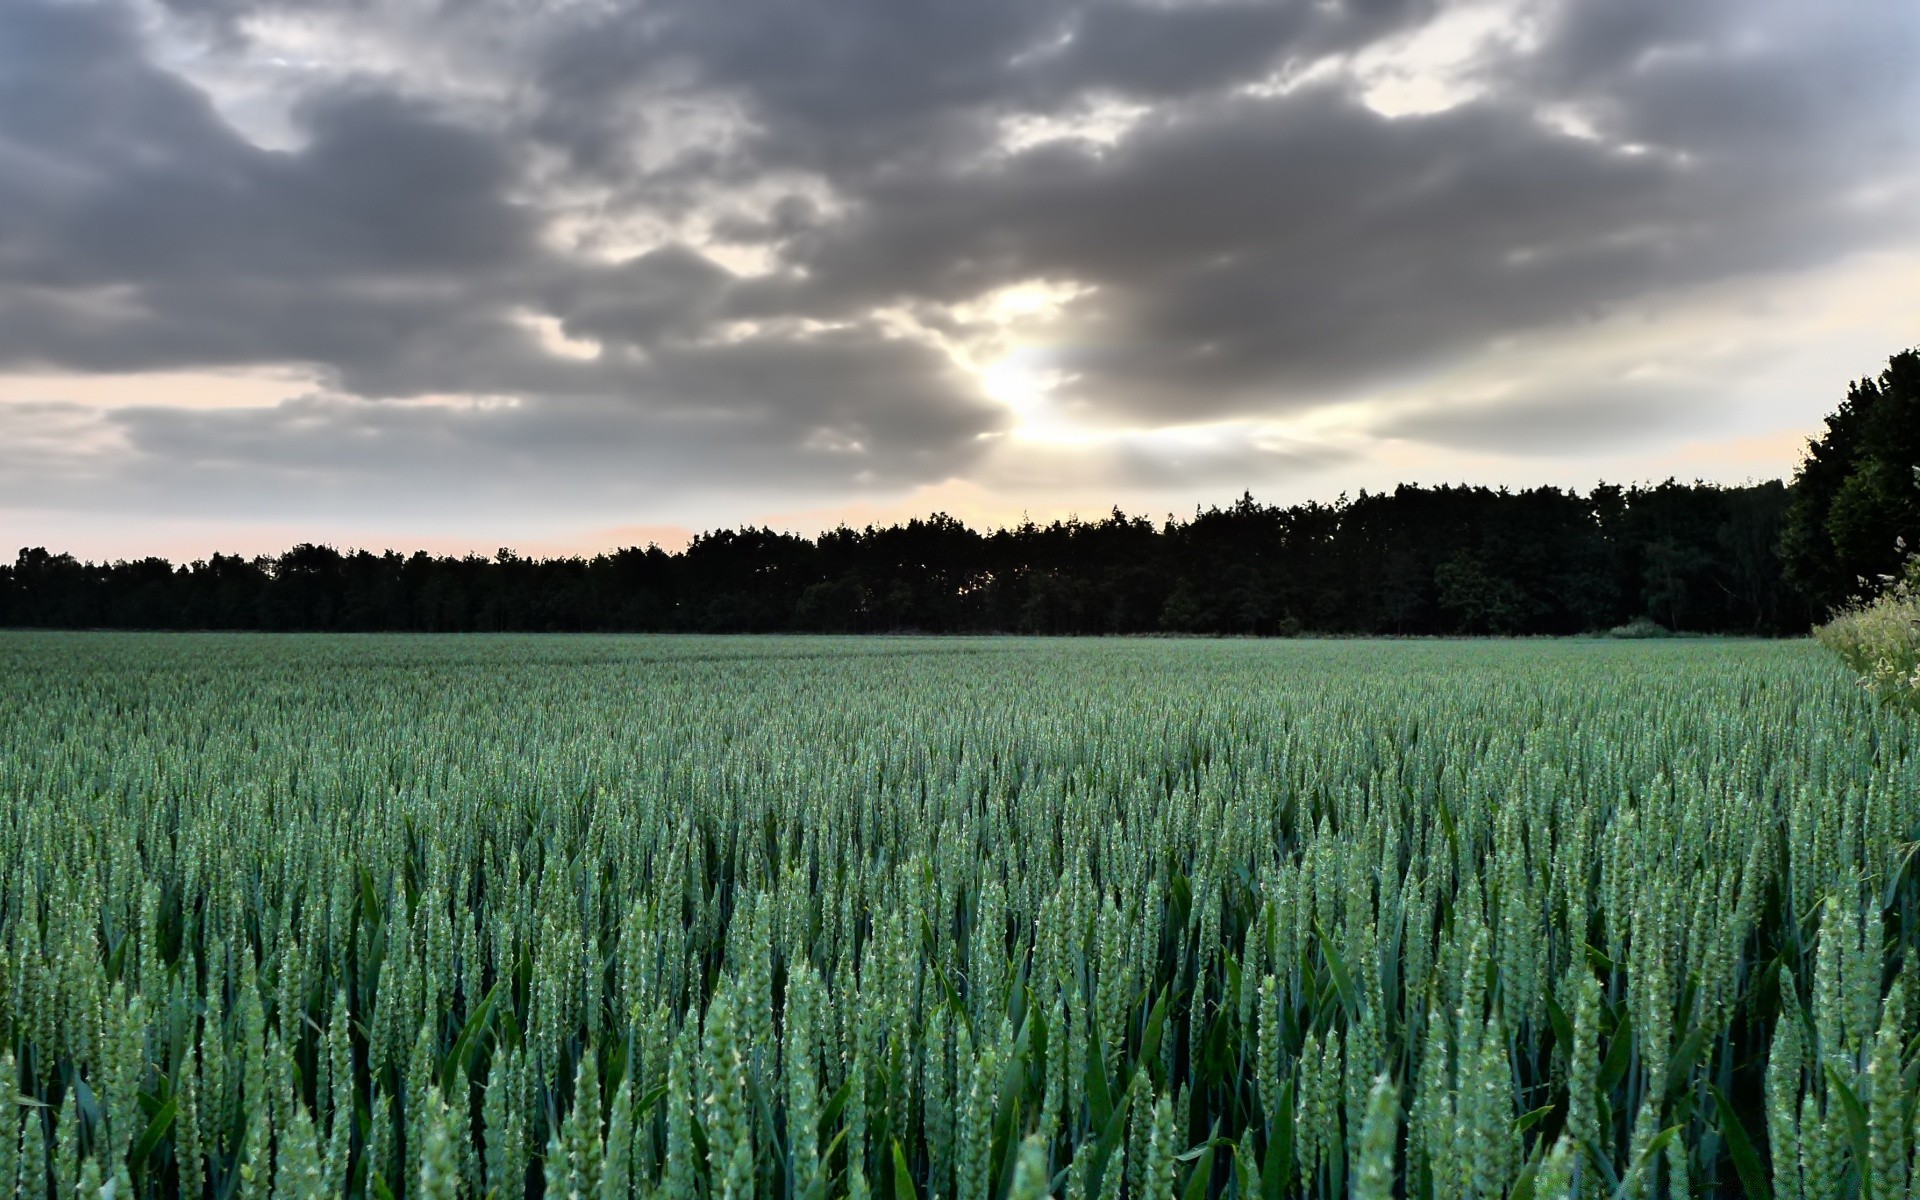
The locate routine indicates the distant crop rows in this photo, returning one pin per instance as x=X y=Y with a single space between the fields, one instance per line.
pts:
x=709 y=919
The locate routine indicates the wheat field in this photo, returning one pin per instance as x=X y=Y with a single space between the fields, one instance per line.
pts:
x=948 y=919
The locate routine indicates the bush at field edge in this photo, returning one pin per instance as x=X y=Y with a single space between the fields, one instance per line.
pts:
x=1880 y=640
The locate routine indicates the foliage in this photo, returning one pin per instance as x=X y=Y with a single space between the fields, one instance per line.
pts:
x=702 y=919
x=1640 y=628
x=1444 y=560
x=1855 y=496
x=1880 y=638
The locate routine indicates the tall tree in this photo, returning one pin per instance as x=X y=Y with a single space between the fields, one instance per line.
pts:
x=1854 y=497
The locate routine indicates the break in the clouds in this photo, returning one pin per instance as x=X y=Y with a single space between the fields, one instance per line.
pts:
x=687 y=260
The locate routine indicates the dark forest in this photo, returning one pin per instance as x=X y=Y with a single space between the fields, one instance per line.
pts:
x=1415 y=561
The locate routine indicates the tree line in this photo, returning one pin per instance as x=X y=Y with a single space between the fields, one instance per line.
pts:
x=1766 y=558
x=1413 y=561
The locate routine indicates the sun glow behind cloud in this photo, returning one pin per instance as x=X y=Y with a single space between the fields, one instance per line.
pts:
x=1013 y=332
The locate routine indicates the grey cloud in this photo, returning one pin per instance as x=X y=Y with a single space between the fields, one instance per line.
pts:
x=42 y=439
x=562 y=454
x=902 y=403
x=144 y=233
x=1160 y=50
x=1596 y=417
x=137 y=230
x=1261 y=244
x=1257 y=253
x=1222 y=469
x=854 y=409
x=124 y=174
x=673 y=290
x=870 y=89
x=1774 y=88
x=1261 y=253
x=1248 y=253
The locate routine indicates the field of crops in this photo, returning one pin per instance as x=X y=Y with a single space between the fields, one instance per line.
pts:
x=705 y=919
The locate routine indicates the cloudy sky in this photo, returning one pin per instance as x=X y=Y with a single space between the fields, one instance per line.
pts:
x=563 y=274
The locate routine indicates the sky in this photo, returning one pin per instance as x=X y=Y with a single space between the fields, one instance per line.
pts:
x=564 y=275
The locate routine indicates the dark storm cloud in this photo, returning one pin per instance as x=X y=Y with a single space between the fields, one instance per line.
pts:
x=1253 y=252
x=125 y=174
x=1250 y=253
x=869 y=89
x=1242 y=250
x=138 y=230
x=671 y=291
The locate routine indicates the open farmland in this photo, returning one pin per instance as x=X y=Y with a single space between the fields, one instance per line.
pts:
x=706 y=919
